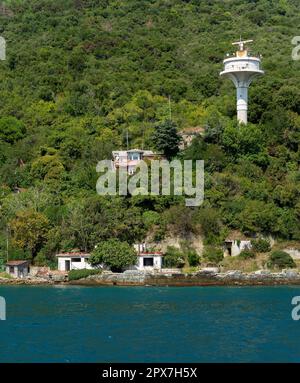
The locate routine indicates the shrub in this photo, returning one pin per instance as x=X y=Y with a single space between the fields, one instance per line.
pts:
x=213 y=254
x=173 y=257
x=281 y=259
x=261 y=245
x=2 y=267
x=247 y=254
x=193 y=258
x=40 y=259
x=210 y=222
x=79 y=274
x=151 y=218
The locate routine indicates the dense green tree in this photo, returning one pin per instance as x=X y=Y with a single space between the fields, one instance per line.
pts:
x=115 y=254
x=11 y=129
x=166 y=138
x=29 y=231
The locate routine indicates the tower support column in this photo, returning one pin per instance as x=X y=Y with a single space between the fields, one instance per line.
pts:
x=242 y=104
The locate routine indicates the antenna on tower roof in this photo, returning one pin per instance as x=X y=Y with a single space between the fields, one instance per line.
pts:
x=242 y=43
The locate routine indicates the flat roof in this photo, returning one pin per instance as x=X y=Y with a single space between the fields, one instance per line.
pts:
x=16 y=263
x=74 y=255
x=151 y=254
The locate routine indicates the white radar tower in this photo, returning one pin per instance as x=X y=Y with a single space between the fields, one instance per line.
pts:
x=242 y=69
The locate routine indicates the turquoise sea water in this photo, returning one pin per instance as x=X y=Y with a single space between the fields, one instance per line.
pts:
x=141 y=324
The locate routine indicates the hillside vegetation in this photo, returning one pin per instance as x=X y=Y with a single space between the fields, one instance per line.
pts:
x=80 y=74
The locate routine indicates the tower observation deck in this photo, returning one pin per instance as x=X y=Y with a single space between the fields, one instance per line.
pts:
x=242 y=70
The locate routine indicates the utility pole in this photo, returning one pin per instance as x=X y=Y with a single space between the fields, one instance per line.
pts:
x=143 y=138
x=170 y=109
x=127 y=141
x=7 y=243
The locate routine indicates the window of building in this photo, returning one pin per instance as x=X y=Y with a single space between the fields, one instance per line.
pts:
x=134 y=156
x=76 y=259
x=148 y=262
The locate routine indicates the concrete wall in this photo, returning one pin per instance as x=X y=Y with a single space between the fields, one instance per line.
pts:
x=157 y=262
x=36 y=271
x=83 y=264
x=237 y=247
x=235 y=64
x=294 y=253
x=195 y=241
x=19 y=271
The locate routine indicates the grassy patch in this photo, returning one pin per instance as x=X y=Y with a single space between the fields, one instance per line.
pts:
x=190 y=269
x=245 y=265
x=5 y=275
x=79 y=274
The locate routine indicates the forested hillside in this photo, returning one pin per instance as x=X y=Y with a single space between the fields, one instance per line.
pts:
x=80 y=74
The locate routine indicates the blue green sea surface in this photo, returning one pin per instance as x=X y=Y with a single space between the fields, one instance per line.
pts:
x=149 y=324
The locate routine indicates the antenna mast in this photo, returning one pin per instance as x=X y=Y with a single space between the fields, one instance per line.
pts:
x=170 y=108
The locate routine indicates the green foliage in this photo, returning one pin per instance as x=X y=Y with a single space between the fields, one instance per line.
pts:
x=46 y=167
x=247 y=254
x=2 y=266
x=114 y=254
x=213 y=255
x=29 y=231
x=210 y=222
x=166 y=138
x=74 y=275
x=180 y=219
x=91 y=76
x=193 y=258
x=258 y=216
x=151 y=218
x=261 y=245
x=174 y=257
x=11 y=129
x=17 y=254
x=280 y=259
x=40 y=260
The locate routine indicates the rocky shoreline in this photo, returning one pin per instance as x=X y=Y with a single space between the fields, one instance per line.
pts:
x=199 y=278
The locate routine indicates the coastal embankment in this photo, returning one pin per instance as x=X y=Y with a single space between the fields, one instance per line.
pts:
x=199 y=278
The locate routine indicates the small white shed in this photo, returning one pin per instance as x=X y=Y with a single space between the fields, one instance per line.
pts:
x=73 y=261
x=235 y=243
x=150 y=260
x=17 y=269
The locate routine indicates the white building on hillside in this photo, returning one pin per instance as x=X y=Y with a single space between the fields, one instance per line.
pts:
x=146 y=260
x=73 y=261
x=235 y=243
x=130 y=159
x=150 y=261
